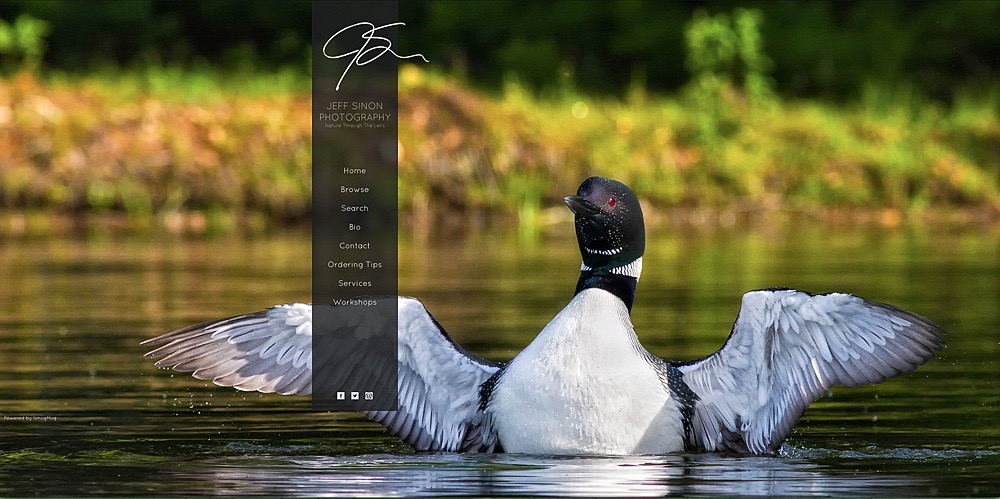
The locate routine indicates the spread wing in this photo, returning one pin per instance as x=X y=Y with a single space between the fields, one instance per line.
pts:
x=271 y=351
x=786 y=349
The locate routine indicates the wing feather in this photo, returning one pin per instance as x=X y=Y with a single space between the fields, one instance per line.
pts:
x=786 y=349
x=271 y=351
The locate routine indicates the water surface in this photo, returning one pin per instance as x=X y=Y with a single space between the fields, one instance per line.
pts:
x=84 y=414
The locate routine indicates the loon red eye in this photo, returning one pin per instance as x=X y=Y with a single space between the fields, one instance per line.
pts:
x=611 y=202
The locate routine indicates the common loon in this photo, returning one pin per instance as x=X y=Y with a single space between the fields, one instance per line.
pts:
x=585 y=385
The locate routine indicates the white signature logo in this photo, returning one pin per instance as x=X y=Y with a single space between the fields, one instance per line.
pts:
x=362 y=52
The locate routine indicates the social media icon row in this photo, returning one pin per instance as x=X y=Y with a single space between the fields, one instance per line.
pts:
x=355 y=395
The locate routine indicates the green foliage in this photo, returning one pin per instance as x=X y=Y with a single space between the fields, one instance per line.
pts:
x=829 y=49
x=232 y=34
x=130 y=145
x=22 y=43
x=729 y=47
x=117 y=145
x=518 y=154
x=167 y=138
x=725 y=56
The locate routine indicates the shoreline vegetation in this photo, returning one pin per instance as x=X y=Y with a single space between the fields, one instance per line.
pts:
x=197 y=152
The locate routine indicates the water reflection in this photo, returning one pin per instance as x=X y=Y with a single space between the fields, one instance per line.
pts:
x=73 y=310
x=450 y=474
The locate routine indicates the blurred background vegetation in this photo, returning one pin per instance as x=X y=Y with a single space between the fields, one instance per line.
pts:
x=196 y=115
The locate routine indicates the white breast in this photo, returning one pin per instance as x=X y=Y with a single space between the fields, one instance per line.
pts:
x=582 y=387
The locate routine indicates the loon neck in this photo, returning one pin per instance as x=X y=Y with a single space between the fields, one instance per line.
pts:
x=620 y=281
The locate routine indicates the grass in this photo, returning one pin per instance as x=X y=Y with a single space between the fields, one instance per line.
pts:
x=193 y=151
x=896 y=160
x=148 y=149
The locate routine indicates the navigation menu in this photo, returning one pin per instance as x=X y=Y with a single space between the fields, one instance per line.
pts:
x=354 y=208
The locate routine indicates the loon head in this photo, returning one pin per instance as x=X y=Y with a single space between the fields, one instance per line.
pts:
x=611 y=234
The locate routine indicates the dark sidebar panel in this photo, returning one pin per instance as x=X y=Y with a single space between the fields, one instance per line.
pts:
x=355 y=205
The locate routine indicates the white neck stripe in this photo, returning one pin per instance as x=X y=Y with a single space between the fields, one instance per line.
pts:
x=632 y=269
x=610 y=252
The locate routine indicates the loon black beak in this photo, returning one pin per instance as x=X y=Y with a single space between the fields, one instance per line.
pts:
x=580 y=206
